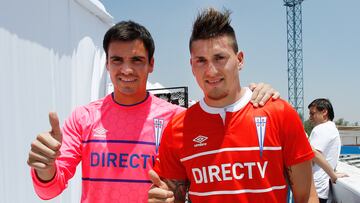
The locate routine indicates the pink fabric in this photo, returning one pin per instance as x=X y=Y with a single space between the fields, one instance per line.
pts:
x=117 y=146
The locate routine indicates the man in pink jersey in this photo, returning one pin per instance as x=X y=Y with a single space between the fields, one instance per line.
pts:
x=116 y=138
x=222 y=149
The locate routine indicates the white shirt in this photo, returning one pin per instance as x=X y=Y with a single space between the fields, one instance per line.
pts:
x=326 y=139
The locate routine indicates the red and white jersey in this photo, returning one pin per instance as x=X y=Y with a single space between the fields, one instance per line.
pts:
x=117 y=146
x=234 y=154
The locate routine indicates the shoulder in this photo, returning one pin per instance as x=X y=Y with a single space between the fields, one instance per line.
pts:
x=92 y=108
x=328 y=127
x=191 y=116
x=98 y=103
x=278 y=106
x=191 y=113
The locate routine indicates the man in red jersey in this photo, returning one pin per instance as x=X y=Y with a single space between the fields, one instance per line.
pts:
x=222 y=149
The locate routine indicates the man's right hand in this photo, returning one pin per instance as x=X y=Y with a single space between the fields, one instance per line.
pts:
x=159 y=191
x=45 y=149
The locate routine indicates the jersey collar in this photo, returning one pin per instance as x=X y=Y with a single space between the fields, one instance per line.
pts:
x=230 y=108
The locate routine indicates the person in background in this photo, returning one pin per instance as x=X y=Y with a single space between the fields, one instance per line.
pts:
x=117 y=137
x=223 y=149
x=326 y=144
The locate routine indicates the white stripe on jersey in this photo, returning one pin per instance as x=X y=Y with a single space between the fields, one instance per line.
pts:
x=229 y=150
x=233 y=192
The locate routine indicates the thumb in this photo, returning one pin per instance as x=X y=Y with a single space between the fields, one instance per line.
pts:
x=155 y=179
x=55 y=126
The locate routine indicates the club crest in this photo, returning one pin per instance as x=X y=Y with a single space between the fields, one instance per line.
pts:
x=260 y=122
x=158 y=127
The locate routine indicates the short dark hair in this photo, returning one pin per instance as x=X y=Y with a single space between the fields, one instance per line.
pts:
x=212 y=23
x=323 y=104
x=129 y=31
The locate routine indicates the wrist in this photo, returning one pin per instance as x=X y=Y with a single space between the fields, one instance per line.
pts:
x=333 y=179
x=46 y=175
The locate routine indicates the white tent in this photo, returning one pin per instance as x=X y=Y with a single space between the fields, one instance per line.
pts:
x=51 y=58
x=156 y=85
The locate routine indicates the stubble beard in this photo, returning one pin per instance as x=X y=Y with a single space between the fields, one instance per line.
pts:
x=217 y=94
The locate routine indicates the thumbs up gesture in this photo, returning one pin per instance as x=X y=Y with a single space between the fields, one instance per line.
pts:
x=159 y=191
x=45 y=149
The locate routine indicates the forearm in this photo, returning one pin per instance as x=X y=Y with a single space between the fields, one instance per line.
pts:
x=320 y=160
x=179 y=188
x=46 y=175
x=50 y=189
x=313 y=194
x=300 y=180
x=64 y=169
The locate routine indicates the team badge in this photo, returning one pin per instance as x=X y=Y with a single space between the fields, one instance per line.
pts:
x=158 y=127
x=260 y=122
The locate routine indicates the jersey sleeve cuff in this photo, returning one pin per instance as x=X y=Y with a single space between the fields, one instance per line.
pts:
x=306 y=157
x=46 y=190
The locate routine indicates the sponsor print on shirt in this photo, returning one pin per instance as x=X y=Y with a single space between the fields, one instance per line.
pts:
x=115 y=158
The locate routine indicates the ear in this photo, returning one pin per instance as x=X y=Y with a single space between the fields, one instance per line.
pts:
x=152 y=62
x=325 y=113
x=192 y=70
x=107 y=64
x=240 y=56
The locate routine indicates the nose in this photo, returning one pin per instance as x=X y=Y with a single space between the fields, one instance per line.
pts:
x=211 y=70
x=126 y=69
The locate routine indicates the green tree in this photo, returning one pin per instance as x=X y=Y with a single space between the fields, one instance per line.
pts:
x=308 y=127
x=340 y=121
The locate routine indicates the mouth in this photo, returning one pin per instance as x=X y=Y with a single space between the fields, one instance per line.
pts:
x=127 y=80
x=214 y=81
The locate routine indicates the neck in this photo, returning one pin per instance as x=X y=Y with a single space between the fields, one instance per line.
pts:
x=226 y=101
x=124 y=99
x=324 y=121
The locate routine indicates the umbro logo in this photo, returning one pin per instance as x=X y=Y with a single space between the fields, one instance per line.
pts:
x=100 y=132
x=200 y=141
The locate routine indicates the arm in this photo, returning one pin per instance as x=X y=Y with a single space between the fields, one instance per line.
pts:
x=313 y=194
x=262 y=93
x=179 y=188
x=300 y=180
x=320 y=160
x=45 y=149
x=50 y=175
x=167 y=190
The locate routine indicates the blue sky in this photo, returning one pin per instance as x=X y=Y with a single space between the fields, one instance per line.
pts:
x=331 y=45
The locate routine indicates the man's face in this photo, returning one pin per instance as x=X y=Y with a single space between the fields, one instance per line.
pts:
x=317 y=117
x=128 y=65
x=216 y=67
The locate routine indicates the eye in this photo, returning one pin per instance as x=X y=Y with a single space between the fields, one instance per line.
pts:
x=137 y=60
x=116 y=60
x=219 y=57
x=201 y=60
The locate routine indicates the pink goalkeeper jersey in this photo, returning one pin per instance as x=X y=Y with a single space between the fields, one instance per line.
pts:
x=117 y=146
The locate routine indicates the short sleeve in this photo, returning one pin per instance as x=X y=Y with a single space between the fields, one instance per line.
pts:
x=317 y=141
x=296 y=147
x=168 y=164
